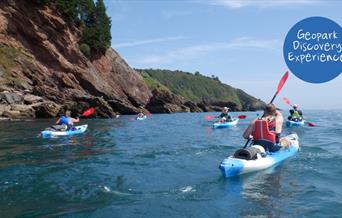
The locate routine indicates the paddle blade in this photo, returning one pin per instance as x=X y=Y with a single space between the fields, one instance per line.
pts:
x=287 y=101
x=311 y=124
x=242 y=116
x=209 y=117
x=282 y=81
x=88 y=112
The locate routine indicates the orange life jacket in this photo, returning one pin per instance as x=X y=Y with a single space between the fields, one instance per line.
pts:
x=263 y=130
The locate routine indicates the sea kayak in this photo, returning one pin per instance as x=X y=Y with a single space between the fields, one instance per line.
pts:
x=218 y=125
x=232 y=166
x=73 y=131
x=141 y=118
x=290 y=123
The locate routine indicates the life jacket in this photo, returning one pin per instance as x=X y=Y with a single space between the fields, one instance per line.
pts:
x=295 y=115
x=64 y=120
x=264 y=131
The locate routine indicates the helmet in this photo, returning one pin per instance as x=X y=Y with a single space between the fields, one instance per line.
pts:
x=226 y=108
x=295 y=106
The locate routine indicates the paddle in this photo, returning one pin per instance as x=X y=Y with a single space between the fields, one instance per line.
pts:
x=210 y=117
x=280 y=86
x=287 y=101
x=88 y=112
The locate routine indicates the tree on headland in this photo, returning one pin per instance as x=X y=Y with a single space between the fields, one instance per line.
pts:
x=90 y=17
x=97 y=33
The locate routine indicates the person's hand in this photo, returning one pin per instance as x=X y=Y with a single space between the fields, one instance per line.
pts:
x=285 y=143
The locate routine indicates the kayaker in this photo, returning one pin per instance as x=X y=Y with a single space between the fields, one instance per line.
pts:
x=266 y=131
x=67 y=121
x=141 y=114
x=225 y=115
x=295 y=114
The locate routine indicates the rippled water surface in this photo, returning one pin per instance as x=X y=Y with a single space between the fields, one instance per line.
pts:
x=165 y=166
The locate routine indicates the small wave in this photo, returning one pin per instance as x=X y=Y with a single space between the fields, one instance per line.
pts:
x=187 y=189
x=115 y=192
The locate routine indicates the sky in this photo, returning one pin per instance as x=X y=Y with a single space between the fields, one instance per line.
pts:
x=240 y=41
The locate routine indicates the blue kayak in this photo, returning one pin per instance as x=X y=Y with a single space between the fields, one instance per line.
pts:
x=141 y=118
x=219 y=125
x=232 y=166
x=72 y=131
x=290 y=123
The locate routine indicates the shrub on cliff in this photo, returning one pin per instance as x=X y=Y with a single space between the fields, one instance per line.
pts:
x=85 y=49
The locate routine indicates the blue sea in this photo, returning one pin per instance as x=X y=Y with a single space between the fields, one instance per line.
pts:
x=165 y=166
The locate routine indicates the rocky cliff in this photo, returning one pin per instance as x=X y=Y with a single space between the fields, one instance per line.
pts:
x=43 y=72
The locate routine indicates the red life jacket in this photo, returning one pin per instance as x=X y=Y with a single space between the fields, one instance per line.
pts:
x=262 y=131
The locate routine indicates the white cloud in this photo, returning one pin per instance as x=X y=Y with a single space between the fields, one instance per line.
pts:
x=196 y=51
x=146 y=41
x=236 y=4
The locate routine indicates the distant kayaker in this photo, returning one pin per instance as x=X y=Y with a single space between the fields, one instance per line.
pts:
x=225 y=115
x=266 y=131
x=141 y=114
x=295 y=114
x=67 y=121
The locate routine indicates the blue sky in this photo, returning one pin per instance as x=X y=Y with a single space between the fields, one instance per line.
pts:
x=240 y=41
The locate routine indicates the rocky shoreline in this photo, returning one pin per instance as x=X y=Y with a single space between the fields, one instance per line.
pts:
x=43 y=72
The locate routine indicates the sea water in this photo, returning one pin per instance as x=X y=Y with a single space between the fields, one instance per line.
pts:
x=165 y=166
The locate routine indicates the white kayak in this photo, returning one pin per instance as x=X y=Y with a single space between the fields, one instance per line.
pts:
x=232 y=166
x=291 y=123
x=74 y=130
x=218 y=125
x=141 y=118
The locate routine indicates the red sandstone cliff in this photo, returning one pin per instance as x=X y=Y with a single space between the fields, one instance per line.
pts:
x=43 y=72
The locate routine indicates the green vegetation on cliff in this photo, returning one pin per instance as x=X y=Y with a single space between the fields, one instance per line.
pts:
x=90 y=17
x=199 y=88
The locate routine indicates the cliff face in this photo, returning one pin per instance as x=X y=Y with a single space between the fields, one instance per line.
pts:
x=43 y=73
x=40 y=61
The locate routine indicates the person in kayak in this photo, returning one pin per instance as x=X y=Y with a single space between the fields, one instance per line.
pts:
x=141 y=115
x=266 y=131
x=295 y=114
x=67 y=121
x=225 y=115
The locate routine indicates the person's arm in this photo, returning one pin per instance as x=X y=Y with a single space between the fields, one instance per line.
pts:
x=279 y=125
x=59 y=119
x=75 y=120
x=249 y=130
x=279 y=122
x=300 y=112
